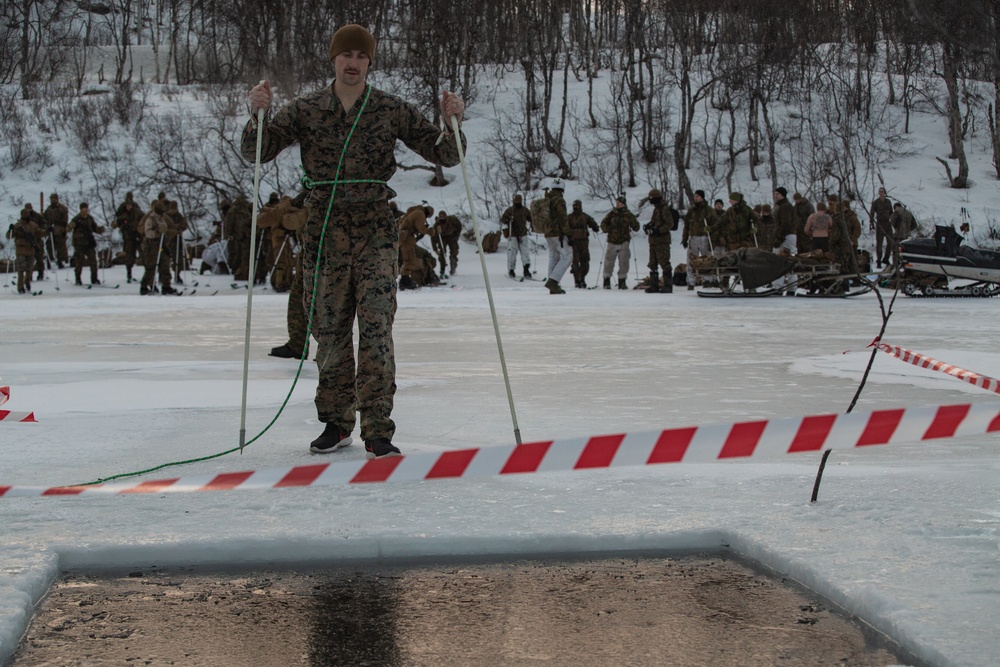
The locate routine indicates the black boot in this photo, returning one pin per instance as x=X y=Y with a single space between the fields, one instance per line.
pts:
x=554 y=287
x=406 y=282
x=621 y=284
x=607 y=283
x=287 y=351
x=527 y=272
x=654 y=283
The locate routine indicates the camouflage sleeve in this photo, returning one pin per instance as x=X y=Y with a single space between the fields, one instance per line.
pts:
x=633 y=222
x=421 y=136
x=279 y=133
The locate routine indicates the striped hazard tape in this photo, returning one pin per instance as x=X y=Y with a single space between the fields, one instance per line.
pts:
x=7 y=415
x=696 y=444
x=909 y=356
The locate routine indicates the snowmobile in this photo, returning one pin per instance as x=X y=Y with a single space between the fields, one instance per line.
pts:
x=929 y=265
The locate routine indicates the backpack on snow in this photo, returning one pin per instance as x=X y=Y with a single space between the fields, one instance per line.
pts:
x=541 y=221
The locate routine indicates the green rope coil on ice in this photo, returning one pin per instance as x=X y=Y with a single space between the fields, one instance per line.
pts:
x=308 y=183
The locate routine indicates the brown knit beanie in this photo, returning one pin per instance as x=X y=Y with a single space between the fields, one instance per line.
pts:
x=352 y=37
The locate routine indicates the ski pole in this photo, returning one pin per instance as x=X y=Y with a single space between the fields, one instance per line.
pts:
x=486 y=277
x=156 y=264
x=600 y=273
x=253 y=268
x=54 y=268
x=277 y=258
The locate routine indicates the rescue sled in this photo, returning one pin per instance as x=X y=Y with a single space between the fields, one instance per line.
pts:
x=752 y=273
x=931 y=266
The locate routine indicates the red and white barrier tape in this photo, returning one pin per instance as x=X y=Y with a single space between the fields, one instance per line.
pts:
x=696 y=444
x=909 y=356
x=7 y=415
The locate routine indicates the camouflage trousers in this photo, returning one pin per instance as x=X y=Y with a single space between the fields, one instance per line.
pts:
x=449 y=246
x=356 y=281
x=61 y=252
x=84 y=256
x=130 y=246
x=155 y=260
x=581 y=258
x=659 y=255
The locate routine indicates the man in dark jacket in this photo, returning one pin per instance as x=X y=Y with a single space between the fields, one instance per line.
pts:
x=84 y=229
x=580 y=226
x=515 y=225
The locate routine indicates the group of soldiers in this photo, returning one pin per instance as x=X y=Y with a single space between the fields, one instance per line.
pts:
x=709 y=231
x=150 y=238
x=40 y=241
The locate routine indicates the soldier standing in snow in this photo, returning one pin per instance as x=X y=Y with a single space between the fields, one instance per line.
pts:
x=155 y=228
x=618 y=224
x=880 y=212
x=663 y=221
x=348 y=132
x=83 y=228
x=449 y=230
x=557 y=238
x=27 y=236
x=57 y=218
x=127 y=219
x=514 y=224
x=697 y=221
x=580 y=226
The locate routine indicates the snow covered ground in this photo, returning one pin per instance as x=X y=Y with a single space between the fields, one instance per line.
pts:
x=906 y=537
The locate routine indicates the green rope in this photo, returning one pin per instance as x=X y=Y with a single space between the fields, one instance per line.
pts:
x=309 y=184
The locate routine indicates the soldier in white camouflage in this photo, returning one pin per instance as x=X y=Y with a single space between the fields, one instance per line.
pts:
x=347 y=134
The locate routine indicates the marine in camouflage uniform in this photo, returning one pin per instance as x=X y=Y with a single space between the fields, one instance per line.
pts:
x=580 y=226
x=83 y=227
x=557 y=238
x=449 y=230
x=880 y=213
x=412 y=227
x=179 y=224
x=358 y=265
x=37 y=218
x=737 y=223
x=700 y=217
x=237 y=231
x=57 y=218
x=658 y=228
x=784 y=239
x=157 y=234
x=127 y=219
x=27 y=236
x=618 y=224
x=514 y=224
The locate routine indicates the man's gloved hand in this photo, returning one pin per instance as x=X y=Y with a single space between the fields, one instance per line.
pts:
x=648 y=228
x=684 y=244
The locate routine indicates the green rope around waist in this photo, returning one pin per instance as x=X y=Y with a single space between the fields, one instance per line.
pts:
x=310 y=184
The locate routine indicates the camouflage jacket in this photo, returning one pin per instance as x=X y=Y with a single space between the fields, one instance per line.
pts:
x=903 y=224
x=737 y=225
x=515 y=221
x=84 y=227
x=661 y=223
x=449 y=228
x=881 y=209
x=580 y=223
x=414 y=224
x=318 y=123
x=237 y=219
x=153 y=225
x=557 y=215
x=784 y=222
x=618 y=224
x=57 y=218
x=127 y=219
x=697 y=220
x=26 y=235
